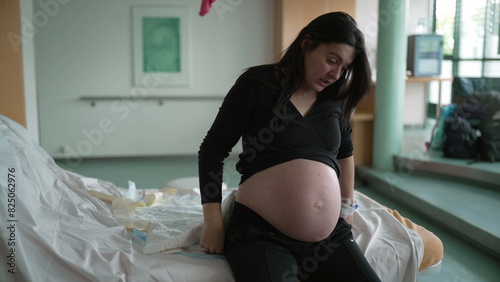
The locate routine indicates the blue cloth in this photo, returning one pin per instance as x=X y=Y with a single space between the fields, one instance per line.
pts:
x=438 y=135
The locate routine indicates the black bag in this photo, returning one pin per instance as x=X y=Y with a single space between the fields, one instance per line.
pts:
x=489 y=146
x=481 y=106
x=460 y=139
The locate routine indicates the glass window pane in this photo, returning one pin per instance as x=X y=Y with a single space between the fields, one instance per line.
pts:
x=446 y=71
x=446 y=92
x=445 y=23
x=492 y=30
x=492 y=68
x=447 y=68
x=472 y=29
x=470 y=68
x=478 y=36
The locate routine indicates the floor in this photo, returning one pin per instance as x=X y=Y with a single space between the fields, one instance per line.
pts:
x=463 y=262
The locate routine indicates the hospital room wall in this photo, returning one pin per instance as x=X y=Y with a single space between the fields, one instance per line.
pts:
x=85 y=49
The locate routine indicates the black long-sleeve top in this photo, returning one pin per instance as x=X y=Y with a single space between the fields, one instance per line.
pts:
x=268 y=137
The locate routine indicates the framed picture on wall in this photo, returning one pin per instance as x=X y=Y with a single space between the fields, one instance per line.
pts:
x=160 y=46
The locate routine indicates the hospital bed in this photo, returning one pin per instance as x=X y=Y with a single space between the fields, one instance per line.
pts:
x=62 y=226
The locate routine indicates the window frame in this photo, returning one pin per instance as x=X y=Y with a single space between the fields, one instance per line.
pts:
x=457 y=26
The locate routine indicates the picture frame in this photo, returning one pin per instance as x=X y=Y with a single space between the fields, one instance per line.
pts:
x=160 y=40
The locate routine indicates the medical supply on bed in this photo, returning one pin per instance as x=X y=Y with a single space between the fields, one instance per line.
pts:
x=140 y=234
x=174 y=212
x=179 y=220
x=152 y=198
x=132 y=191
x=123 y=211
x=172 y=251
x=124 y=208
x=103 y=196
x=147 y=200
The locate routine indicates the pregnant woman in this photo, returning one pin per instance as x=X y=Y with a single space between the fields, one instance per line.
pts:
x=293 y=209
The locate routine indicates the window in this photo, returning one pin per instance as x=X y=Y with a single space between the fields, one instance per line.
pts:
x=470 y=30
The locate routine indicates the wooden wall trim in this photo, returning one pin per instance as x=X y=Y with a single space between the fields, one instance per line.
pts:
x=292 y=15
x=12 y=102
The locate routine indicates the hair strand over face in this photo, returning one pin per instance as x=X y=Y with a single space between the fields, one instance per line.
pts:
x=352 y=86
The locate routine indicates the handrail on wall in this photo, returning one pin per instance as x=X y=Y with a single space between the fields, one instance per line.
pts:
x=94 y=99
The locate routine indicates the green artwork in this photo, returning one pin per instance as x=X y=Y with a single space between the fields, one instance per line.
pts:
x=161 y=44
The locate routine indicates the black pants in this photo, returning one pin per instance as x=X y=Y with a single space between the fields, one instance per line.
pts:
x=257 y=251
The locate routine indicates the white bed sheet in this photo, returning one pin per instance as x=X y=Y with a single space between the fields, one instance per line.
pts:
x=60 y=232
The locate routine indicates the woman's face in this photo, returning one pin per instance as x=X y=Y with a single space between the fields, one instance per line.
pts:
x=326 y=64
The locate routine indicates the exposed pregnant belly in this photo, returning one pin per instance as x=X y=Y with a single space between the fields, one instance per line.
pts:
x=300 y=198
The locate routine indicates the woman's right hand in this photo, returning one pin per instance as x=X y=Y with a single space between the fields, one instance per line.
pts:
x=212 y=238
x=213 y=233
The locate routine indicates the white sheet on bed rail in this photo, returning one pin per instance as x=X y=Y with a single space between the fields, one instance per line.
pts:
x=62 y=233
x=54 y=230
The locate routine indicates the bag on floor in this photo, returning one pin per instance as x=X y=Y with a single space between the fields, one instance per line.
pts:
x=437 y=135
x=489 y=145
x=480 y=106
x=461 y=139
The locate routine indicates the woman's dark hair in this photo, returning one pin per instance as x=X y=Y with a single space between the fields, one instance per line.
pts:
x=352 y=86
